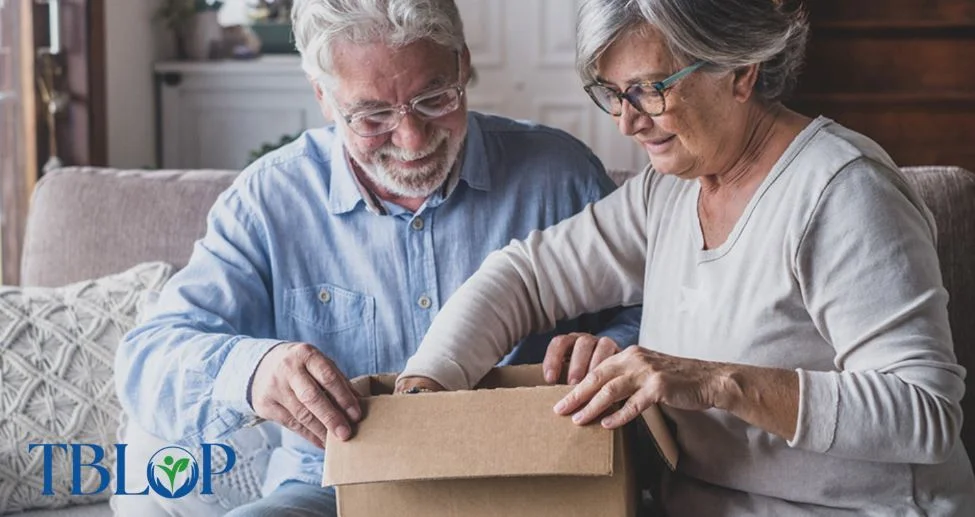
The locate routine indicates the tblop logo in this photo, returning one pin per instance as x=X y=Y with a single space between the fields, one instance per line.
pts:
x=171 y=472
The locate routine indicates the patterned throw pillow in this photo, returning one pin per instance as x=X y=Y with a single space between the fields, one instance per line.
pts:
x=57 y=349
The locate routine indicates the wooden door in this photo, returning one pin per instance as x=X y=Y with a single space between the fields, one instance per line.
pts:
x=17 y=131
x=900 y=71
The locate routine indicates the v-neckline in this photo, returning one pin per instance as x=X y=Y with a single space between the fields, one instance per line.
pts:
x=797 y=144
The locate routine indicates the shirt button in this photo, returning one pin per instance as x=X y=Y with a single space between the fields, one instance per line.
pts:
x=324 y=296
x=424 y=302
x=417 y=224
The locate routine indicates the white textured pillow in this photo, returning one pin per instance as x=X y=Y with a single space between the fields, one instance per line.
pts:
x=57 y=349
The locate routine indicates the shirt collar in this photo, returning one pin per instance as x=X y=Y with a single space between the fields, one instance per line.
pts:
x=343 y=192
x=347 y=192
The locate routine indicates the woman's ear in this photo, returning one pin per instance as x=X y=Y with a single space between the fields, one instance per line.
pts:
x=744 y=82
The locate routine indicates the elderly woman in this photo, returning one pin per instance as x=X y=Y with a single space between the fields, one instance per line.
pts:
x=795 y=325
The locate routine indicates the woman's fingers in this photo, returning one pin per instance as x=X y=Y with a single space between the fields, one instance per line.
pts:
x=558 y=348
x=582 y=352
x=618 y=377
x=587 y=389
x=605 y=348
x=638 y=402
x=617 y=389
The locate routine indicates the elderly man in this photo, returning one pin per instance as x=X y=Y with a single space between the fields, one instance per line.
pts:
x=329 y=258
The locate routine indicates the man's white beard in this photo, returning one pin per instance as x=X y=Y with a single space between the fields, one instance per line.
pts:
x=414 y=182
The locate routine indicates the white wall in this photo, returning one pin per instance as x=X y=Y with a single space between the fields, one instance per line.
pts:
x=133 y=42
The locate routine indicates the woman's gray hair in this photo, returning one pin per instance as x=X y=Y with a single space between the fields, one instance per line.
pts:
x=725 y=34
x=318 y=24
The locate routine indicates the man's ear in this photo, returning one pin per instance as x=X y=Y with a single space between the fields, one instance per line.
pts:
x=744 y=82
x=465 y=65
x=320 y=97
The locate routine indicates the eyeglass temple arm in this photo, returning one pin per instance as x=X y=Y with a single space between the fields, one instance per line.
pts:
x=666 y=83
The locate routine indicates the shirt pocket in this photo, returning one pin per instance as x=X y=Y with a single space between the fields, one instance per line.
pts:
x=339 y=322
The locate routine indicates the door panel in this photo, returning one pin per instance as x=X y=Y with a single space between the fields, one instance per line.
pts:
x=523 y=52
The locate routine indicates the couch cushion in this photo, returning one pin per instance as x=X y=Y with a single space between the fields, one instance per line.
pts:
x=89 y=222
x=57 y=350
x=949 y=193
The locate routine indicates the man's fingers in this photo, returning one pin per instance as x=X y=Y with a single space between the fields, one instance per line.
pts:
x=299 y=402
x=605 y=348
x=582 y=352
x=314 y=408
x=558 y=349
x=611 y=393
x=336 y=385
x=281 y=414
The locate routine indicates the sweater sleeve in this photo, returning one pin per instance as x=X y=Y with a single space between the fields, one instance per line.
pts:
x=587 y=263
x=869 y=274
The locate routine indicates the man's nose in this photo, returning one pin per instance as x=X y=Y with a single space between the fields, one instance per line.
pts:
x=412 y=134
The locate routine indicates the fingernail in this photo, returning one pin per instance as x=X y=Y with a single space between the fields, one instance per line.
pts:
x=353 y=413
x=577 y=417
x=574 y=380
x=548 y=376
x=560 y=406
x=343 y=433
x=606 y=422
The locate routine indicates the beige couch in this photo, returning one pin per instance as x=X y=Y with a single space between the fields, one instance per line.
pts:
x=87 y=222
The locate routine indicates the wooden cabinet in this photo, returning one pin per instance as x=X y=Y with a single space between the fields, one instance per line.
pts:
x=900 y=71
x=213 y=114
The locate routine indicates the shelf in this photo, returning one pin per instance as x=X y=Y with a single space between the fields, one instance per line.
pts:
x=290 y=63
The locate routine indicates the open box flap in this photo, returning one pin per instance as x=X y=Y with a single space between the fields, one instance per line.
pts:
x=453 y=435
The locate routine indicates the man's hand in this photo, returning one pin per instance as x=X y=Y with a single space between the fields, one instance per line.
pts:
x=298 y=387
x=422 y=383
x=586 y=350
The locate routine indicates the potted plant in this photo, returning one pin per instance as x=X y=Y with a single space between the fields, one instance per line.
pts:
x=193 y=24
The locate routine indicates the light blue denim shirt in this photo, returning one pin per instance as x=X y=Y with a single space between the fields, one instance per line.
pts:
x=291 y=253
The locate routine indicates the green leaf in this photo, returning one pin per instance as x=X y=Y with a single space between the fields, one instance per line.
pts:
x=181 y=465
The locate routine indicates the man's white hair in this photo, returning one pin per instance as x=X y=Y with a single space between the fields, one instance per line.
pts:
x=318 y=24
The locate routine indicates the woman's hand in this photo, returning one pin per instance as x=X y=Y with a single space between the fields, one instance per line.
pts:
x=642 y=377
x=584 y=353
x=767 y=398
x=406 y=384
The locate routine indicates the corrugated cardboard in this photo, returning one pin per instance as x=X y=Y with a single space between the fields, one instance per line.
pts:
x=498 y=450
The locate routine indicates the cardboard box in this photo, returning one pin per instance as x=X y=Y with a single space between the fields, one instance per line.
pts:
x=497 y=450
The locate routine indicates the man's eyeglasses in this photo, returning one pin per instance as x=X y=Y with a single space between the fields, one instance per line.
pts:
x=427 y=106
x=647 y=97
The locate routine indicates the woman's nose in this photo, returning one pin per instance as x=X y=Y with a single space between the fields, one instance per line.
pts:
x=630 y=121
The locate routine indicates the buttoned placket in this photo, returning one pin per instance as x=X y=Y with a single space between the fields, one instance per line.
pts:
x=422 y=275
